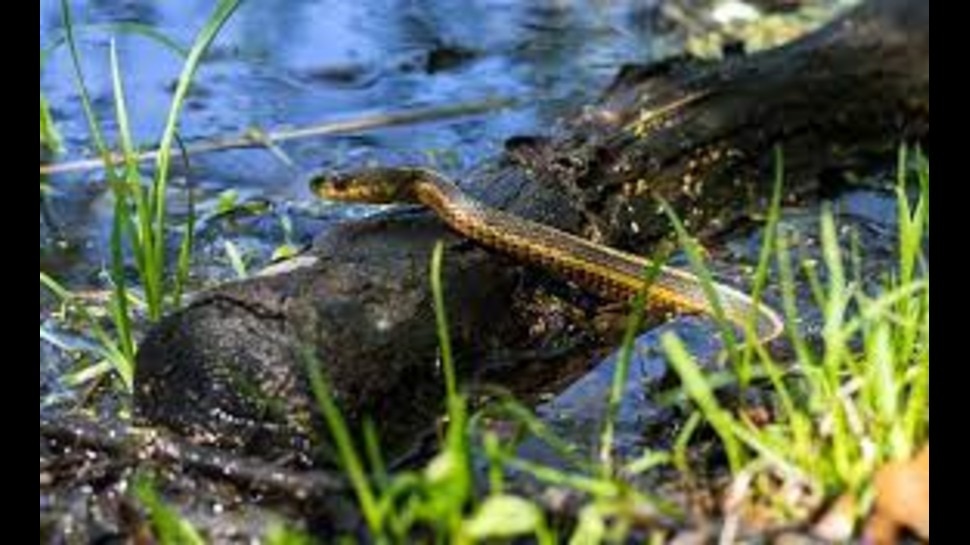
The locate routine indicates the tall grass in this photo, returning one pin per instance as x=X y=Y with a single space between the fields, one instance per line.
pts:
x=862 y=400
x=140 y=223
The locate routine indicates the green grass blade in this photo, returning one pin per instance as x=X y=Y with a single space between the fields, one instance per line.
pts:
x=449 y=474
x=700 y=391
x=172 y=529
x=119 y=302
x=107 y=347
x=93 y=124
x=837 y=295
x=349 y=458
x=789 y=303
x=764 y=263
x=49 y=135
x=508 y=407
x=680 y=455
x=598 y=487
x=223 y=11
x=372 y=449
x=188 y=239
x=236 y=260
x=916 y=416
x=444 y=340
x=649 y=460
x=690 y=247
x=120 y=220
x=622 y=370
x=139 y=229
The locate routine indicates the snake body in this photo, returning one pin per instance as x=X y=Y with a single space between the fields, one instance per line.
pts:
x=606 y=271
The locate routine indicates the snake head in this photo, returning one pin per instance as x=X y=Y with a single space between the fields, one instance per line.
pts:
x=379 y=185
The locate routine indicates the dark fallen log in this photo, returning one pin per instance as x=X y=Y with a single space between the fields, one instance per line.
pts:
x=229 y=368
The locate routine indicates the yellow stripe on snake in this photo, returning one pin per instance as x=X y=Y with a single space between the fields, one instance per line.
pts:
x=601 y=269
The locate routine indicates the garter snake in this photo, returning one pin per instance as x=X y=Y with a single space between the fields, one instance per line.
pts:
x=606 y=271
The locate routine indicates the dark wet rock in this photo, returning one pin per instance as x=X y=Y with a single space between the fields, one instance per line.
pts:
x=362 y=309
x=579 y=412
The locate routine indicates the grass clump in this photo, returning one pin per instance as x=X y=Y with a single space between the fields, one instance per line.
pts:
x=859 y=401
x=140 y=225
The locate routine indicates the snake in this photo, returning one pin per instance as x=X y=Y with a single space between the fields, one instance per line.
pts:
x=606 y=271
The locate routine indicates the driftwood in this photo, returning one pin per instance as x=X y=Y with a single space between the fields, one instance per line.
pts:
x=230 y=367
x=255 y=138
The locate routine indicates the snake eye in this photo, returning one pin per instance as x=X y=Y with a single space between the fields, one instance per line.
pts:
x=329 y=185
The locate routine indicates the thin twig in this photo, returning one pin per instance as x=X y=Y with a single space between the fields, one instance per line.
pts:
x=255 y=138
x=135 y=446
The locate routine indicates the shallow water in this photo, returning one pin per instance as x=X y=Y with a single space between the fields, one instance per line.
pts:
x=298 y=63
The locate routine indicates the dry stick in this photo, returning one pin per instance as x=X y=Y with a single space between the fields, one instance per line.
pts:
x=256 y=138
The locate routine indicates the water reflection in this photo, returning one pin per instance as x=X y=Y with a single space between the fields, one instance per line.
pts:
x=298 y=63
